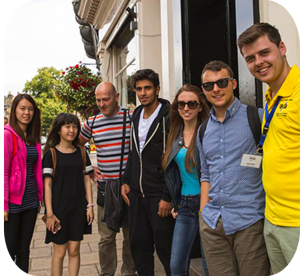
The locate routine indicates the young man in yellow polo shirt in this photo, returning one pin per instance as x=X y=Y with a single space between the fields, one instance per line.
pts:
x=265 y=55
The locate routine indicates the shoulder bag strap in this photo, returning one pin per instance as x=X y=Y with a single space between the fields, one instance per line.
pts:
x=92 y=123
x=123 y=143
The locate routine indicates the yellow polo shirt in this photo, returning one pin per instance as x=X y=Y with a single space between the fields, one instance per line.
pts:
x=281 y=154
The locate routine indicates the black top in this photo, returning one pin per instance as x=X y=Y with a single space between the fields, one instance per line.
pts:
x=69 y=201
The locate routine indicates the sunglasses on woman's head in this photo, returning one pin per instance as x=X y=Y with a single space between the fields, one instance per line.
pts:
x=190 y=104
x=222 y=83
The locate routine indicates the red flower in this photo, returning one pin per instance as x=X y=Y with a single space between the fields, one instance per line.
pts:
x=63 y=73
x=76 y=66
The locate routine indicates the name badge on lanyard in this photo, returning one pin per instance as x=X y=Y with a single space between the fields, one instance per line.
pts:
x=268 y=118
x=251 y=160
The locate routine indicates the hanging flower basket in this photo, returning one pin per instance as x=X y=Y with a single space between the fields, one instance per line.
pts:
x=77 y=89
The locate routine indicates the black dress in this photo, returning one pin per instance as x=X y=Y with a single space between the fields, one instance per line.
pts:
x=69 y=201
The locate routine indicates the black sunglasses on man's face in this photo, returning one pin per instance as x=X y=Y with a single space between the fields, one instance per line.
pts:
x=222 y=83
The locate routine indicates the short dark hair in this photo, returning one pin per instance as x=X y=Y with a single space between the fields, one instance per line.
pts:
x=216 y=66
x=256 y=31
x=145 y=74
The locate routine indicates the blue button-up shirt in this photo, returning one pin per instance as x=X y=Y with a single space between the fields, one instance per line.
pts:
x=236 y=193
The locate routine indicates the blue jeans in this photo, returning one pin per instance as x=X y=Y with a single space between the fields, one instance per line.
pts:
x=185 y=231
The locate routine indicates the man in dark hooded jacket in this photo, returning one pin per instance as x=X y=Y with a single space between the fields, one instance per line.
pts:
x=144 y=188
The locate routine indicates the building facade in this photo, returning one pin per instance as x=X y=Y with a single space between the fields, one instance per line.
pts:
x=176 y=38
x=7 y=104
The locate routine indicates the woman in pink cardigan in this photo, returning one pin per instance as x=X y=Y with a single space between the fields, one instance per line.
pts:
x=23 y=185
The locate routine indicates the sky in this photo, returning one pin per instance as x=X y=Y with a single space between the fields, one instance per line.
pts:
x=40 y=33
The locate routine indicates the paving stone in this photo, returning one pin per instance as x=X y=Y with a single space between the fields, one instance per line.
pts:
x=85 y=248
x=40 y=273
x=40 y=228
x=85 y=270
x=41 y=264
x=91 y=238
x=40 y=252
x=40 y=243
x=93 y=246
x=39 y=235
x=89 y=258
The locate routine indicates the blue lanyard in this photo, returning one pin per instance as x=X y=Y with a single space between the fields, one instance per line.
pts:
x=268 y=118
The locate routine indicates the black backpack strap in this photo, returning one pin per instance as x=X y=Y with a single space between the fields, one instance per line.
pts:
x=254 y=122
x=202 y=130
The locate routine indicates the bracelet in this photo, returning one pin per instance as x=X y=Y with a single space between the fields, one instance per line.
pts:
x=90 y=205
x=50 y=216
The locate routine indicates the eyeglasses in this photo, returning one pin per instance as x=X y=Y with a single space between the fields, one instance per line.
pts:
x=190 y=104
x=222 y=83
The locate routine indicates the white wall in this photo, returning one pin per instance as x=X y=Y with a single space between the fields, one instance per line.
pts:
x=149 y=36
x=277 y=15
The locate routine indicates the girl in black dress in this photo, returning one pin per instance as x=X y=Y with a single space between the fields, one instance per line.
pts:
x=68 y=195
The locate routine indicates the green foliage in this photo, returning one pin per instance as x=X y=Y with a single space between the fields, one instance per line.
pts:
x=131 y=92
x=50 y=108
x=42 y=88
x=77 y=89
x=44 y=82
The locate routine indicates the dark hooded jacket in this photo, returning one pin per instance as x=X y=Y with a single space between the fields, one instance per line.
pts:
x=144 y=173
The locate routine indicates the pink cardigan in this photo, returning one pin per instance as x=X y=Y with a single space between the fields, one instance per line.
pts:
x=15 y=169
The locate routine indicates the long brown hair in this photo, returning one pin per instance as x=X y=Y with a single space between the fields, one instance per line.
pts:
x=176 y=123
x=33 y=131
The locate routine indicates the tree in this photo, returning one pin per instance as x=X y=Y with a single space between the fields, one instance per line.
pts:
x=44 y=82
x=42 y=88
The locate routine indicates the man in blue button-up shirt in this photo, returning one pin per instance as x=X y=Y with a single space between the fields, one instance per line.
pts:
x=232 y=196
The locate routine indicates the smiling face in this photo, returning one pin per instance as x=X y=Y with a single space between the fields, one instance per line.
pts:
x=68 y=132
x=146 y=92
x=24 y=112
x=265 y=60
x=220 y=98
x=188 y=114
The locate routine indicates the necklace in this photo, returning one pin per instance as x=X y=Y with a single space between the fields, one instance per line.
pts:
x=181 y=143
x=188 y=135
